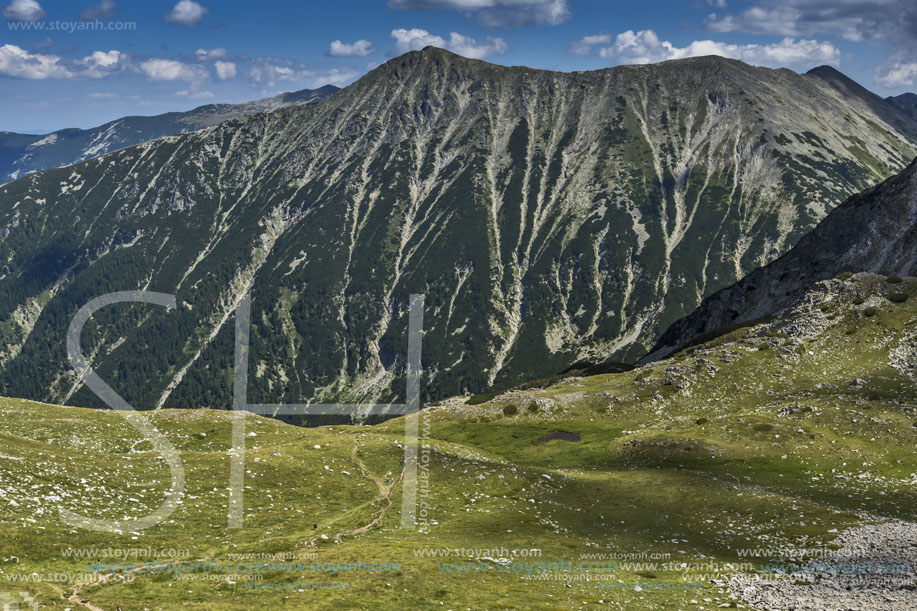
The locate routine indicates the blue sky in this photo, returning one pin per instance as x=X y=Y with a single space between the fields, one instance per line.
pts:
x=80 y=63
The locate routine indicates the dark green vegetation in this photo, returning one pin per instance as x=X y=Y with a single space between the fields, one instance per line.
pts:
x=548 y=219
x=872 y=231
x=782 y=435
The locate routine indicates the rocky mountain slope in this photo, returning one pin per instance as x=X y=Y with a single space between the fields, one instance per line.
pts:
x=548 y=218
x=21 y=154
x=875 y=231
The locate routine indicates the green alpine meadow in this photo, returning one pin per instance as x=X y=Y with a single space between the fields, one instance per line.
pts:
x=458 y=305
x=725 y=472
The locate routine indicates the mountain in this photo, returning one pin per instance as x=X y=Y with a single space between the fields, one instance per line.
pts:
x=906 y=103
x=548 y=218
x=21 y=154
x=875 y=231
x=889 y=111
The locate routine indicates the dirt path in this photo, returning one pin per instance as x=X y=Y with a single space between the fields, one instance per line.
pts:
x=385 y=497
x=74 y=596
x=385 y=492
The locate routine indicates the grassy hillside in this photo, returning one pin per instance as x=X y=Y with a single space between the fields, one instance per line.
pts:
x=781 y=433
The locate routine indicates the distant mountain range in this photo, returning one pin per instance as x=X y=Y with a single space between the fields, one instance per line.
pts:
x=875 y=231
x=549 y=218
x=906 y=103
x=21 y=154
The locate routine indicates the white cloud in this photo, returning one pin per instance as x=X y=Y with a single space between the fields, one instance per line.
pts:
x=100 y=63
x=584 y=45
x=24 y=10
x=19 y=63
x=889 y=23
x=416 y=39
x=186 y=12
x=100 y=95
x=898 y=74
x=205 y=54
x=271 y=72
x=225 y=70
x=357 y=49
x=106 y=9
x=645 y=47
x=196 y=95
x=497 y=13
x=171 y=70
x=886 y=21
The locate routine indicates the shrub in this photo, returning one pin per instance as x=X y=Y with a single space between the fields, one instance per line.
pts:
x=859 y=300
x=510 y=409
x=870 y=312
x=898 y=297
x=894 y=280
x=845 y=276
x=701 y=421
x=533 y=406
x=764 y=427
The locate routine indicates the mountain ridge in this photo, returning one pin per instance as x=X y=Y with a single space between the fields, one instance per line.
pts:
x=21 y=154
x=549 y=218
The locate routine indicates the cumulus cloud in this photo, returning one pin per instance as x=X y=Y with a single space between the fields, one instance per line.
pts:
x=645 y=47
x=106 y=9
x=24 y=10
x=205 y=54
x=274 y=72
x=189 y=93
x=225 y=70
x=157 y=69
x=497 y=13
x=357 y=49
x=898 y=74
x=186 y=12
x=586 y=44
x=100 y=63
x=886 y=22
x=416 y=39
x=19 y=63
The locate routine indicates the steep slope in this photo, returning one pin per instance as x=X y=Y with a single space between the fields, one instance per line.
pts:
x=890 y=110
x=548 y=218
x=906 y=103
x=875 y=231
x=21 y=154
